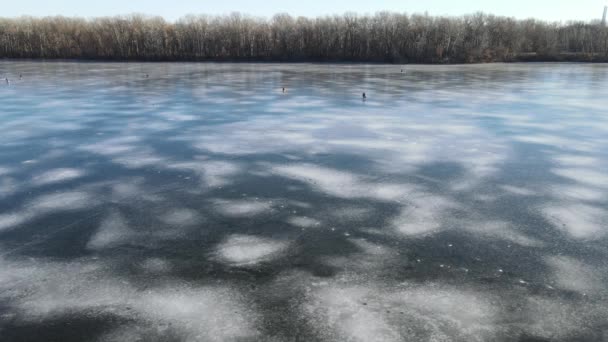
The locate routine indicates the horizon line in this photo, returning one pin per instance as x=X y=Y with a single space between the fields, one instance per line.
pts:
x=269 y=17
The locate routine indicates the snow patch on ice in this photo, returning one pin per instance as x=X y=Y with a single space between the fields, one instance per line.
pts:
x=182 y=217
x=501 y=230
x=73 y=200
x=423 y=215
x=303 y=222
x=584 y=175
x=581 y=221
x=240 y=208
x=576 y=192
x=58 y=176
x=40 y=290
x=113 y=231
x=515 y=190
x=369 y=313
x=212 y=173
x=247 y=250
x=9 y=221
x=574 y=275
x=342 y=184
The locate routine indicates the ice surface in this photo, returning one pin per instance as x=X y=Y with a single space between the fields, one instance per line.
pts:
x=459 y=203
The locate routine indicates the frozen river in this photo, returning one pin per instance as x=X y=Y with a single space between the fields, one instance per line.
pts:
x=203 y=203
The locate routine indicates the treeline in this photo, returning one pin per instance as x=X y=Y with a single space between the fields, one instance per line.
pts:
x=383 y=37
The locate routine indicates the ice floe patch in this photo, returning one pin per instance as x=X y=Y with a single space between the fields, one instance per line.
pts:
x=247 y=250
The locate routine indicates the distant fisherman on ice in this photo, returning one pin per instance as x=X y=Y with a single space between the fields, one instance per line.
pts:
x=364 y=96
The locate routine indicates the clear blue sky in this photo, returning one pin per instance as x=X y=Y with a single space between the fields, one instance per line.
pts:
x=556 y=10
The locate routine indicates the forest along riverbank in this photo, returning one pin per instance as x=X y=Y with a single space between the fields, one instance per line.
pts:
x=385 y=37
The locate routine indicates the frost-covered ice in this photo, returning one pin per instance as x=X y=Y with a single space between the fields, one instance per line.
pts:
x=458 y=203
